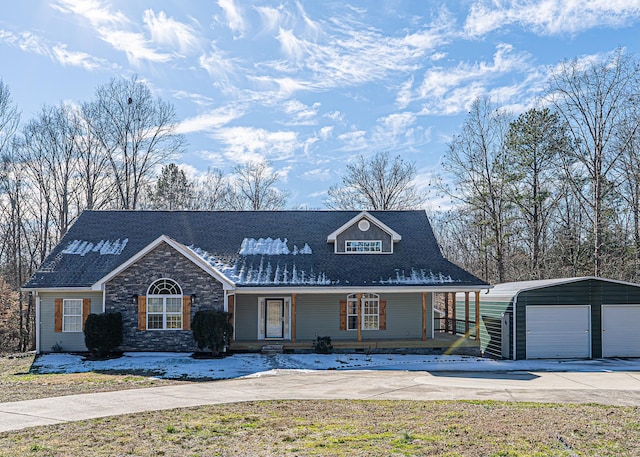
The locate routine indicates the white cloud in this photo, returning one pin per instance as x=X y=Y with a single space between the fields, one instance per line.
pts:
x=550 y=17
x=354 y=141
x=166 y=31
x=76 y=59
x=451 y=90
x=109 y=25
x=325 y=132
x=248 y=144
x=211 y=120
x=272 y=18
x=233 y=16
x=300 y=113
x=318 y=174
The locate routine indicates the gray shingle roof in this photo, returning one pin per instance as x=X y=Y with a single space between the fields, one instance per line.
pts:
x=100 y=241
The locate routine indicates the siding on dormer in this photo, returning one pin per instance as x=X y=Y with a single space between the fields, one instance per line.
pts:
x=354 y=233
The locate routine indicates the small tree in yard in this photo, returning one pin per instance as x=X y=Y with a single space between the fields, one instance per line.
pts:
x=103 y=333
x=212 y=330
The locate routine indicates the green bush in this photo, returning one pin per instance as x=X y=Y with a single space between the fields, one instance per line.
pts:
x=322 y=345
x=212 y=330
x=103 y=333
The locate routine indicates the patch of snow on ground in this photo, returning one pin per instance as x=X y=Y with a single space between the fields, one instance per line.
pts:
x=181 y=365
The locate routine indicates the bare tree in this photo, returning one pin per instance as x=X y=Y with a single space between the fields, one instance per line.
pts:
x=253 y=188
x=137 y=132
x=477 y=164
x=593 y=99
x=211 y=191
x=50 y=154
x=96 y=185
x=376 y=184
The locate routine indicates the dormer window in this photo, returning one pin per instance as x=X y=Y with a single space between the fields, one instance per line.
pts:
x=359 y=246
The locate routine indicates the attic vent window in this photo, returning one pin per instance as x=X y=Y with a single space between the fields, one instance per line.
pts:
x=364 y=225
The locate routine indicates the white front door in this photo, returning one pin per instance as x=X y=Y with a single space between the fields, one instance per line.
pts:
x=274 y=318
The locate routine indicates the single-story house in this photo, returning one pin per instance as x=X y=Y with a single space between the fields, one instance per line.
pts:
x=585 y=317
x=285 y=276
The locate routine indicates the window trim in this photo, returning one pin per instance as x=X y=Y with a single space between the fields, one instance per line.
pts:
x=164 y=313
x=377 y=243
x=69 y=315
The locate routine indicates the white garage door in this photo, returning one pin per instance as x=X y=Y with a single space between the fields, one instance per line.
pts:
x=558 y=332
x=620 y=336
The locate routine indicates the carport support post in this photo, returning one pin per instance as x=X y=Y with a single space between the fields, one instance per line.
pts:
x=293 y=318
x=359 y=317
x=454 y=327
x=466 y=314
x=424 y=316
x=477 y=315
x=446 y=312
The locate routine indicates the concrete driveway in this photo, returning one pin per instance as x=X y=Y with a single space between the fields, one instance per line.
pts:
x=612 y=388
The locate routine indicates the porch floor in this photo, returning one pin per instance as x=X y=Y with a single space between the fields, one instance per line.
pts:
x=441 y=344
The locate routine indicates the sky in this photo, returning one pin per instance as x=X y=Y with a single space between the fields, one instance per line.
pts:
x=308 y=85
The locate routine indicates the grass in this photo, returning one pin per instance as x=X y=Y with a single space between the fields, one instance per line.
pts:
x=345 y=428
x=314 y=428
x=18 y=383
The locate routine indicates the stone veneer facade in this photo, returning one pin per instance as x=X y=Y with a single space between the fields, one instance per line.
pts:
x=161 y=262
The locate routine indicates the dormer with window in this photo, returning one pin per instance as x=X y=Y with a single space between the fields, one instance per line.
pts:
x=364 y=234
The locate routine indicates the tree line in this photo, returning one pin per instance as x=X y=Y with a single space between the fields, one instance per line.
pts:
x=552 y=192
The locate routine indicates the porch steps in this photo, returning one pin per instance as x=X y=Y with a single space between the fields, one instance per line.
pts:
x=271 y=349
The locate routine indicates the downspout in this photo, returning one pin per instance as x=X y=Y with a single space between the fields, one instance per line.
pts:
x=513 y=323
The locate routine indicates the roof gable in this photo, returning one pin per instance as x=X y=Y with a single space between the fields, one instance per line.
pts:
x=186 y=252
x=333 y=236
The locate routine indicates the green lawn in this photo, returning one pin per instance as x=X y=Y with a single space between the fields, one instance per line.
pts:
x=345 y=428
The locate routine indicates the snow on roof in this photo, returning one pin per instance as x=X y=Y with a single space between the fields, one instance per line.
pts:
x=416 y=277
x=104 y=247
x=269 y=246
x=265 y=273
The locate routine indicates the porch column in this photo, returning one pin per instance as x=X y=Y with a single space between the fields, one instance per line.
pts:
x=477 y=315
x=359 y=317
x=293 y=318
x=231 y=299
x=466 y=313
x=424 y=316
x=453 y=314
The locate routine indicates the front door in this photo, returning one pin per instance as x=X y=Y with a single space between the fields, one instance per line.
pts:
x=274 y=318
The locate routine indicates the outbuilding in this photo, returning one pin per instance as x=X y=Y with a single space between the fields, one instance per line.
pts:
x=585 y=317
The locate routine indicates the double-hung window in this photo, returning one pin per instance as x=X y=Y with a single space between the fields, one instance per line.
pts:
x=72 y=315
x=369 y=308
x=164 y=306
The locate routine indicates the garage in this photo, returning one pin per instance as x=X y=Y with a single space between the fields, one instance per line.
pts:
x=584 y=317
x=620 y=336
x=558 y=332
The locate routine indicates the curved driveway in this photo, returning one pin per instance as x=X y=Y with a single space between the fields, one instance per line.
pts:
x=614 y=388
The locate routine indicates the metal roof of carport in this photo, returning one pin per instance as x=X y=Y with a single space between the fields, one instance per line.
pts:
x=512 y=289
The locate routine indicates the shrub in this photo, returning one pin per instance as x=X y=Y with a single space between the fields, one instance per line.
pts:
x=212 y=330
x=322 y=345
x=103 y=333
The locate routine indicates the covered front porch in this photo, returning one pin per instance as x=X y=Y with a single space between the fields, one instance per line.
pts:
x=442 y=343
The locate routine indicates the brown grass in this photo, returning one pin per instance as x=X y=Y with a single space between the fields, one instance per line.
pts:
x=345 y=428
x=17 y=383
